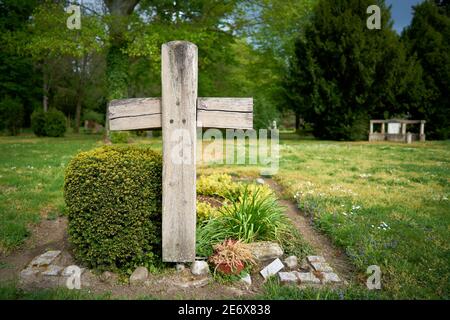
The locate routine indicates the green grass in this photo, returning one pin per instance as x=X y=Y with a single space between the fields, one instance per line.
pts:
x=274 y=291
x=353 y=191
x=9 y=291
x=31 y=181
x=348 y=189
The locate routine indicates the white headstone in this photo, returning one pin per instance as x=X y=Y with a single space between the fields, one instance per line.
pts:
x=394 y=128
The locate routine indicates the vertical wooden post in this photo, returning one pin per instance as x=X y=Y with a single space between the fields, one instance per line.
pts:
x=383 y=129
x=179 y=98
x=403 y=128
x=422 y=131
x=371 y=127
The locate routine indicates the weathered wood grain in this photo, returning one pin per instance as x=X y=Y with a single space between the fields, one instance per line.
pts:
x=145 y=113
x=225 y=104
x=179 y=98
x=136 y=113
x=229 y=113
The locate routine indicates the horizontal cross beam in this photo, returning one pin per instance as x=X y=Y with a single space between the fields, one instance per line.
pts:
x=146 y=113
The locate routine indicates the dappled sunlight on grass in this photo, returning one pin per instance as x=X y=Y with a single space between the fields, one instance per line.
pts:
x=31 y=181
x=386 y=204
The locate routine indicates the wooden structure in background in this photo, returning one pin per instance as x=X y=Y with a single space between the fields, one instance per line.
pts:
x=400 y=135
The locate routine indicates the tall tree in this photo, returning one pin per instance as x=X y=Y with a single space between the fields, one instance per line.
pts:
x=345 y=73
x=18 y=78
x=117 y=61
x=428 y=37
x=48 y=41
x=271 y=27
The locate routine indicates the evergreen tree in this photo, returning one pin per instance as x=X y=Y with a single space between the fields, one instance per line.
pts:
x=18 y=79
x=428 y=37
x=344 y=74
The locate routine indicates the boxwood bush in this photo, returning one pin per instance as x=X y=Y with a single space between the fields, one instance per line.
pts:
x=113 y=196
x=38 y=120
x=55 y=124
x=48 y=124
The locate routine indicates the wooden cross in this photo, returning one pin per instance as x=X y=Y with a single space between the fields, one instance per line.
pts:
x=178 y=113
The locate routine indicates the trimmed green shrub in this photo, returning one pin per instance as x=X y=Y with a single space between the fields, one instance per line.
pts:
x=38 y=120
x=48 y=124
x=119 y=137
x=113 y=196
x=55 y=124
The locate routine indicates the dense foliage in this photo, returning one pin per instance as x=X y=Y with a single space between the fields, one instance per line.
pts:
x=48 y=124
x=38 y=120
x=428 y=37
x=344 y=74
x=113 y=197
x=55 y=123
x=18 y=78
x=314 y=57
x=11 y=115
x=251 y=214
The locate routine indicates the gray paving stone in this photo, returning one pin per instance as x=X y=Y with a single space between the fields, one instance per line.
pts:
x=330 y=277
x=321 y=267
x=139 y=275
x=52 y=270
x=45 y=259
x=307 y=278
x=199 y=268
x=288 y=277
x=29 y=272
x=291 y=262
x=313 y=259
x=272 y=269
x=264 y=251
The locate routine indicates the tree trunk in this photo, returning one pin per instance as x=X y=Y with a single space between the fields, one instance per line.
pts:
x=45 y=92
x=117 y=61
x=77 y=116
x=81 y=66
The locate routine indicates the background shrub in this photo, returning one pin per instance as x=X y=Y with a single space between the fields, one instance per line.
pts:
x=11 y=115
x=48 y=124
x=38 y=119
x=55 y=124
x=113 y=196
x=94 y=116
x=119 y=137
x=217 y=184
x=205 y=211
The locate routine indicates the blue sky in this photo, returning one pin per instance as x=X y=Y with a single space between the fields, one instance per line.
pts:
x=401 y=12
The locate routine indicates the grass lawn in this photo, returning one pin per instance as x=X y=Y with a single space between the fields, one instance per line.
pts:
x=385 y=204
x=31 y=181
